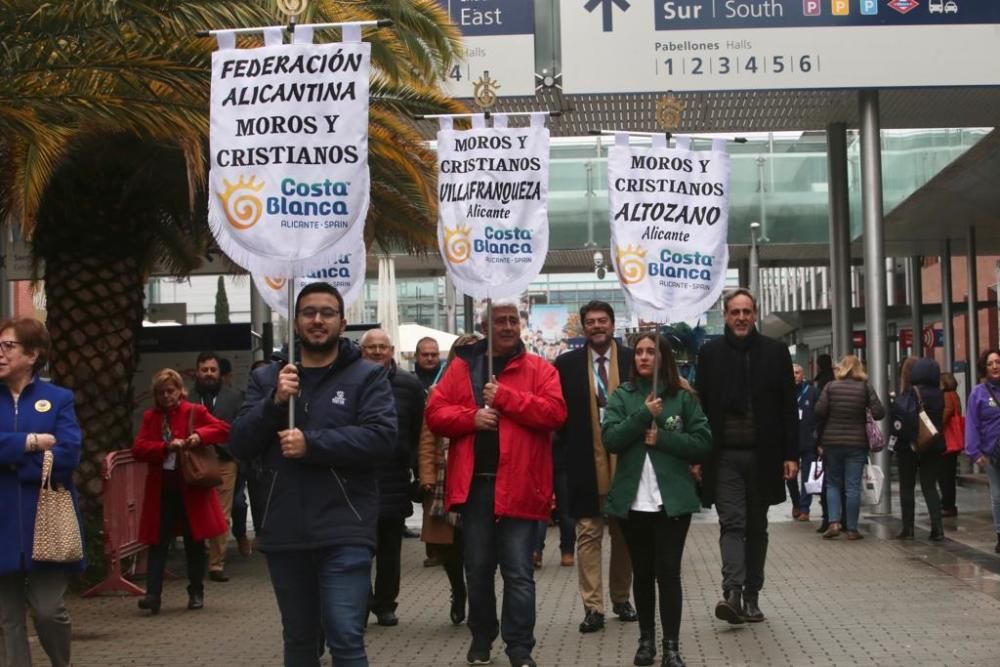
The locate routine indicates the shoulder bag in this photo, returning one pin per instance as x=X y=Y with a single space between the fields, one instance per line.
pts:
x=927 y=433
x=876 y=441
x=199 y=465
x=57 y=529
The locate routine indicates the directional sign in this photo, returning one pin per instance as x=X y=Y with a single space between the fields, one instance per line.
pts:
x=499 y=41
x=614 y=46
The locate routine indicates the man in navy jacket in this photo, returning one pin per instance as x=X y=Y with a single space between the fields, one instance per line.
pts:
x=321 y=503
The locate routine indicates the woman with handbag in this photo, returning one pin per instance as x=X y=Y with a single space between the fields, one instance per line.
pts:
x=982 y=427
x=954 y=437
x=842 y=409
x=918 y=413
x=175 y=439
x=40 y=540
x=441 y=531
x=657 y=436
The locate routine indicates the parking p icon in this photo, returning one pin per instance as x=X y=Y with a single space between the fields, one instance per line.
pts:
x=869 y=7
x=811 y=7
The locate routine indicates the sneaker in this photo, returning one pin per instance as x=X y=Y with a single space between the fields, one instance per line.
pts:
x=525 y=661
x=479 y=656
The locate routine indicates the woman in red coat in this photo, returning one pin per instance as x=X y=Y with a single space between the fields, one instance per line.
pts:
x=172 y=507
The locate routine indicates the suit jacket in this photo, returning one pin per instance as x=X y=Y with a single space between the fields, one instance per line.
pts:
x=574 y=444
x=227 y=405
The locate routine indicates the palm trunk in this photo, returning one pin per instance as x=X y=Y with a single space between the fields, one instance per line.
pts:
x=95 y=309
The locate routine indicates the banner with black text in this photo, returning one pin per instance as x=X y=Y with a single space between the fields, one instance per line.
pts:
x=289 y=150
x=669 y=224
x=493 y=191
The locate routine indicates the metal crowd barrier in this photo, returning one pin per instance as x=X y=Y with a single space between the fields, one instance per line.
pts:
x=124 y=485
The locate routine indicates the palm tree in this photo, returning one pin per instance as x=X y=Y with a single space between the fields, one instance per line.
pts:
x=103 y=130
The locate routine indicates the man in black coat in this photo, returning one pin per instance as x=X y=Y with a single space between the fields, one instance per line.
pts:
x=588 y=376
x=747 y=391
x=224 y=403
x=428 y=361
x=394 y=476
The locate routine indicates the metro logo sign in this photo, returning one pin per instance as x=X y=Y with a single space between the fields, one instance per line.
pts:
x=903 y=6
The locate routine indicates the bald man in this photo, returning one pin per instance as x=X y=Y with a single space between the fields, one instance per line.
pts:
x=394 y=477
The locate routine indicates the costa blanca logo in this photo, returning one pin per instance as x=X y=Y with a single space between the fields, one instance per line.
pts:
x=242 y=208
x=457 y=247
x=631 y=267
x=275 y=283
x=339 y=399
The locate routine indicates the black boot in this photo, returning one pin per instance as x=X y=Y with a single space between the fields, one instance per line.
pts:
x=671 y=654
x=457 y=611
x=196 y=597
x=997 y=547
x=646 y=653
x=150 y=603
x=937 y=532
x=730 y=608
x=751 y=612
x=905 y=534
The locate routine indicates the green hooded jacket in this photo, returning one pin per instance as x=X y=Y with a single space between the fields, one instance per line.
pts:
x=684 y=438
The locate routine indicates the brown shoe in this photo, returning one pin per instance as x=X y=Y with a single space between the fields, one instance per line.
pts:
x=832 y=532
x=796 y=513
x=243 y=544
x=854 y=535
x=536 y=558
x=567 y=560
x=804 y=516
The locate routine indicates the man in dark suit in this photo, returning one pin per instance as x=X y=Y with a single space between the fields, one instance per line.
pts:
x=747 y=391
x=224 y=403
x=588 y=376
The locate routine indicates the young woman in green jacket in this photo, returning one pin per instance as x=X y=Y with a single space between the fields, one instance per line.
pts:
x=657 y=439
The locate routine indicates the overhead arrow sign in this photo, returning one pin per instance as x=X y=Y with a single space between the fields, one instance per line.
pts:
x=607 y=8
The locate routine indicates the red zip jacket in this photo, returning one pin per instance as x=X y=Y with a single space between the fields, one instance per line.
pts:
x=529 y=400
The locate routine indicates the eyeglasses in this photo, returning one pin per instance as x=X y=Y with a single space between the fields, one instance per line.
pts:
x=7 y=346
x=324 y=313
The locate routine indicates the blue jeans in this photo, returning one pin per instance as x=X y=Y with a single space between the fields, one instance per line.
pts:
x=993 y=474
x=843 y=466
x=805 y=499
x=508 y=543
x=330 y=585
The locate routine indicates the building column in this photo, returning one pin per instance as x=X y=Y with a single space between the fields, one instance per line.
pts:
x=972 y=280
x=875 y=277
x=840 y=238
x=947 y=317
x=916 y=296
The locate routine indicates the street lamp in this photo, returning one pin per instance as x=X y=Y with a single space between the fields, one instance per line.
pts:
x=754 y=260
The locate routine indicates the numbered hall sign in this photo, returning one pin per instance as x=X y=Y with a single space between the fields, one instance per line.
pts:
x=493 y=191
x=669 y=223
x=289 y=150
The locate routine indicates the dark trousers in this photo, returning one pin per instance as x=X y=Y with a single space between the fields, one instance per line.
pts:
x=387 y=564
x=804 y=499
x=928 y=468
x=321 y=593
x=742 y=510
x=451 y=558
x=506 y=542
x=239 y=512
x=947 y=480
x=171 y=512
x=566 y=523
x=656 y=545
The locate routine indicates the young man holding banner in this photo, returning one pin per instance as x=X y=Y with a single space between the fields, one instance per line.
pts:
x=747 y=391
x=319 y=524
x=499 y=474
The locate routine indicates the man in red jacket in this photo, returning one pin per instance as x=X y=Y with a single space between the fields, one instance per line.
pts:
x=499 y=474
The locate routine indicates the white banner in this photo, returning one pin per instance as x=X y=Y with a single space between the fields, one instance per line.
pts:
x=493 y=191
x=344 y=269
x=289 y=152
x=669 y=221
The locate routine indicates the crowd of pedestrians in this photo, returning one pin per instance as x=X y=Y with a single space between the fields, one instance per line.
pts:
x=495 y=442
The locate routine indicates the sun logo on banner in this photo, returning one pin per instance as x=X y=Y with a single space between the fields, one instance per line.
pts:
x=457 y=247
x=631 y=268
x=243 y=209
x=274 y=283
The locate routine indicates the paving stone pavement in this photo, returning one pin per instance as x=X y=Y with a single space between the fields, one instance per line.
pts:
x=829 y=602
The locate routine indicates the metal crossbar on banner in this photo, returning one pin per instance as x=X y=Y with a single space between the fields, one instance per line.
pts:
x=668 y=135
x=291 y=27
